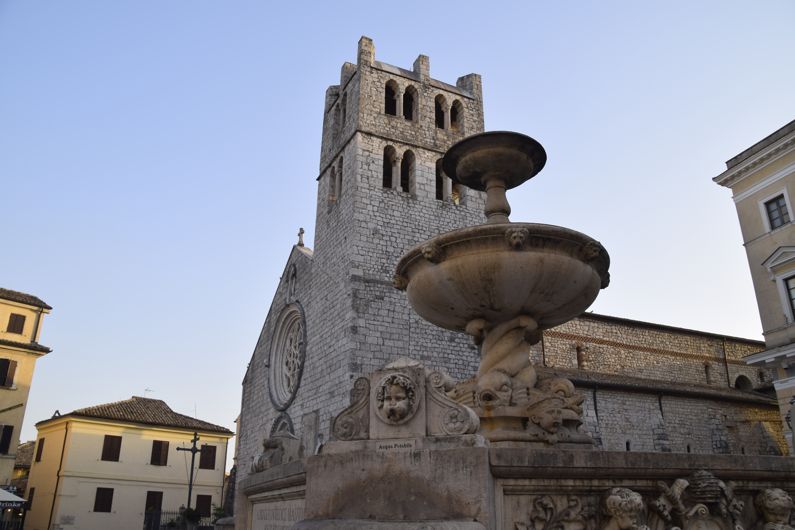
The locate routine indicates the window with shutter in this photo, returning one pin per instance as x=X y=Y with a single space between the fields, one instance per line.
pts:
x=16 y=323
x=111 y=448
x=204 y=504
x=154 y=501
x=159 y=453
x=39 y=449
x=5 y=439
x=103 y=502
x=7 y=370
x=207 y=460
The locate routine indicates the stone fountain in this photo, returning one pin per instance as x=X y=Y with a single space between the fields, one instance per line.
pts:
x=503 y=283
x=504 y=450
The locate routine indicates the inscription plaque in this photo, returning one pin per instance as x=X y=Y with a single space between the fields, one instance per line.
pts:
x=279 y=515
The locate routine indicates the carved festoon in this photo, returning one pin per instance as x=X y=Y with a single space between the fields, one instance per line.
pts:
x=353 y=423
x=559 y=513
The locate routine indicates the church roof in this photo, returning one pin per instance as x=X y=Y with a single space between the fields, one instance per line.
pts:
x=23 y=298
x=144 y=411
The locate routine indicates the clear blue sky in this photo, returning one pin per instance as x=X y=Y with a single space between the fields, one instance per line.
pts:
x=157 y=159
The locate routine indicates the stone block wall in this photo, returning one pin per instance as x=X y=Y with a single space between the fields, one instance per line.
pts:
x=619 y=346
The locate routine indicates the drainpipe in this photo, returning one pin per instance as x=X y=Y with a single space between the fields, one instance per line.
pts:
x=58 y=475
x=35 y=336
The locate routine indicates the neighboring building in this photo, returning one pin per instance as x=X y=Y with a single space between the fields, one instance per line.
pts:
x=336 y=315
x=19 y=480
x=107 y=466
x=762 y=180
x=20 y=327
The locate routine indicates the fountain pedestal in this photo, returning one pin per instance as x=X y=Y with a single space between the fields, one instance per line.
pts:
x=503 y=283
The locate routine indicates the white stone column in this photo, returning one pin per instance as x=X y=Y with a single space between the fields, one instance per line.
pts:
x=396 y=172
x=446 y=111
x=399 y=106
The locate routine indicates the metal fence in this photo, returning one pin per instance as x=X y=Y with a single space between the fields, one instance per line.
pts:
x=167 y=521
x=10 y=525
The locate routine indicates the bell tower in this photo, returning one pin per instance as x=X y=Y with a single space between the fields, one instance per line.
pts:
x=381 y=190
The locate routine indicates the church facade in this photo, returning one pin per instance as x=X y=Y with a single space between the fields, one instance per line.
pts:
x=336 y=315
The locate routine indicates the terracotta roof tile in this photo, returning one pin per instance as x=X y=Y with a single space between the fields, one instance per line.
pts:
x=146 y=411
x=33 y=346
x=23 y=298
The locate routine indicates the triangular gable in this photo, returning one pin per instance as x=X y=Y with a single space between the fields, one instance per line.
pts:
x=781 y=256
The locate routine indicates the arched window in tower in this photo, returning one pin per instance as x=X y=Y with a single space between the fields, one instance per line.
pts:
x=390 y=98
x=339 y=178
x=439 y=181
x=389 y=162
x=410 y=103
x=456 y=116
x=407 y=172
x=332 y=184
x=344 y=111
x=335 y=124
x=439 y=105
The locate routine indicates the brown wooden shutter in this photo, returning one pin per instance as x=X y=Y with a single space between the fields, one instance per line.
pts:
x=31 y=493
x=164 y=453
x=159 y=453
x=154 y=501
x=12 y=370
x=204 y=505
x=207 y=460
x=111 y=448
x=16 y=323
x=5 y=439
x=39 y=449
x=103 y=502
x=4 y=366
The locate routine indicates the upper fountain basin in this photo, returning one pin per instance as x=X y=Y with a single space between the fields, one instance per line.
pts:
x=512 y=157
x=500 y=271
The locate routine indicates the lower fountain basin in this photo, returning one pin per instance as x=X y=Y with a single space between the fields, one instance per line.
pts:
x=499 y=271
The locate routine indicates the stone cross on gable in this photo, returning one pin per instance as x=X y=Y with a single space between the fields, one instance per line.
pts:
x=301 y=237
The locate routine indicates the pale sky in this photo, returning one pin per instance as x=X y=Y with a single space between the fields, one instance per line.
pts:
x=157 y=159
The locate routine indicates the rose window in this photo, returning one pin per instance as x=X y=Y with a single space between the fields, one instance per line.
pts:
x=288 y=351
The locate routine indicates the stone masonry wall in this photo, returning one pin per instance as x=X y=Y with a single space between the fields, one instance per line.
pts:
x=623 y=347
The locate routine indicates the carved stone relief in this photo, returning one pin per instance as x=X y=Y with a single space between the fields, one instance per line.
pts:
x=396 y=399
x=625 y=508
x=407 y=401
x=775 y=508
x=281 y=447
x=698 y=502
x=559 y=512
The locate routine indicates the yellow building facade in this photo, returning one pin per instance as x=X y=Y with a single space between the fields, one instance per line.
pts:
x=21 y=317
x=117 y=466
x=762 y=180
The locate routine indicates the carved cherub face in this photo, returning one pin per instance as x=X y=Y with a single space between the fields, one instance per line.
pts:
x=396 y=398
x=775 y=505
x=548 y=414
x=396 y=402
x=624 y=505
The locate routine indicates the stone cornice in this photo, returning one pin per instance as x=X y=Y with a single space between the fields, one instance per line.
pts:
x=734 y=175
